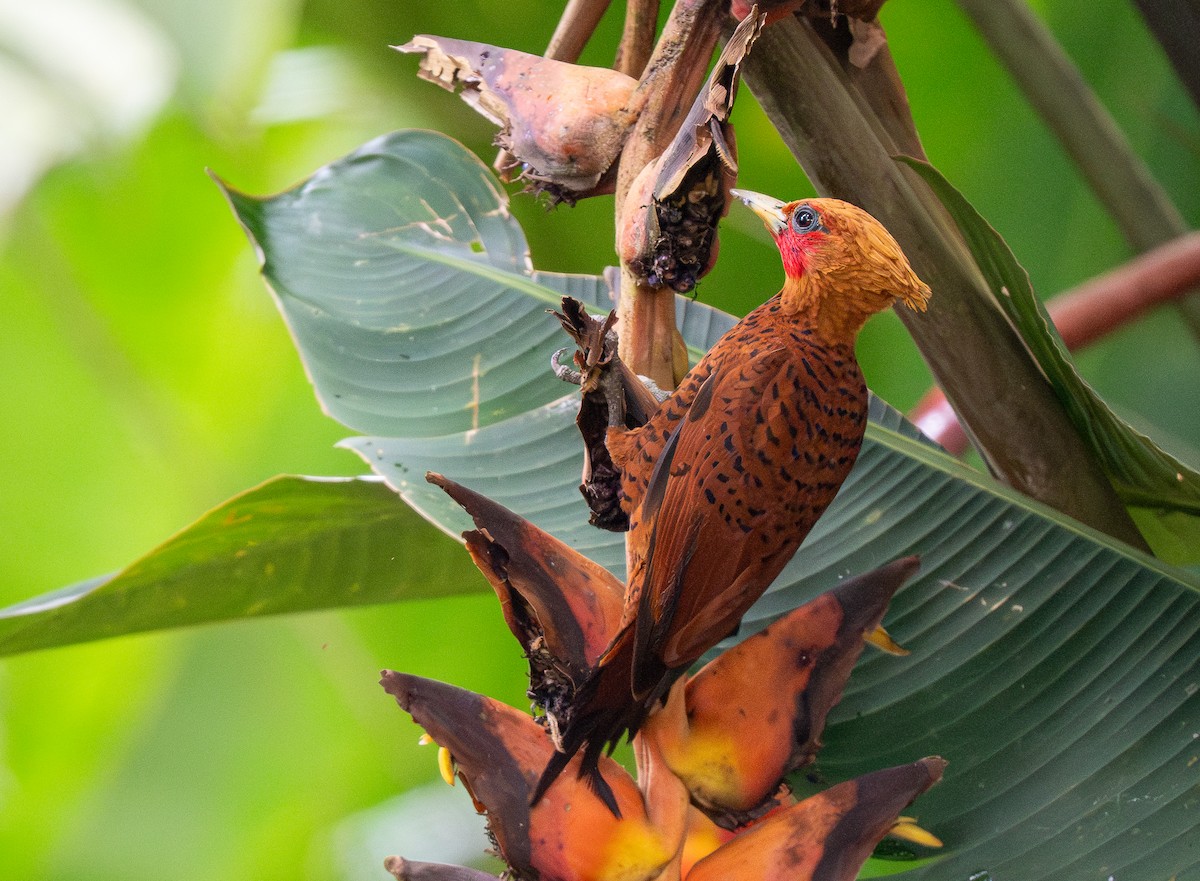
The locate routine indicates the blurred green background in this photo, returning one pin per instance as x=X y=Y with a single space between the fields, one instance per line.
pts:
x=147 y=377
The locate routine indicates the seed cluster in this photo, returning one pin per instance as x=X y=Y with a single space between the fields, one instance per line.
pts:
x=681 y=252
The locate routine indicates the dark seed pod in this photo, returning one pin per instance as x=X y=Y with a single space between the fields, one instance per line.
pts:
x=669 y=226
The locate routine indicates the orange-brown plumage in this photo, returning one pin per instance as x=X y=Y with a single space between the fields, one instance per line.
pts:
x=730 y=474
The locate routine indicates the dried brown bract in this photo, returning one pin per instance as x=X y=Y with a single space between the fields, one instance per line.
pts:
x=563 y=608
x=668 y=231
x=612 y=395
x=564 y=123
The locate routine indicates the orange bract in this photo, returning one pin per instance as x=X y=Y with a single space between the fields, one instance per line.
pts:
x=757 y=711
x=570 y=835
x=828 y=836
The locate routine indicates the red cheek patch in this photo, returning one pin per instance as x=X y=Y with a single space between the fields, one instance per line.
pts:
x=796 y=249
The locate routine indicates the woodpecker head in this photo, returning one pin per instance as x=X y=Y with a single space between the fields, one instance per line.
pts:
x=842 y=266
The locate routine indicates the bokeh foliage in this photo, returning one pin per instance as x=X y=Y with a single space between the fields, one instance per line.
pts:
x=149 y=378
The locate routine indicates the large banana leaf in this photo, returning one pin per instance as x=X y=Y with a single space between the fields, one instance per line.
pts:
x=1057 y=670
x=291 y=544
x=407 y=285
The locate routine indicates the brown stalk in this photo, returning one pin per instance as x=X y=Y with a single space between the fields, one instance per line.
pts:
x=1016 y=420
x=637 y=40
x=1087 y=313
x=650 y=343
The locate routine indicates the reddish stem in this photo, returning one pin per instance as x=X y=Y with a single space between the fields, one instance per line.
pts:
x=650 y=343
x=637 y=40
x=1087 y=313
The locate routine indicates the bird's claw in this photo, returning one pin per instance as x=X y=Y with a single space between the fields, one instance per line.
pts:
x=565 y=372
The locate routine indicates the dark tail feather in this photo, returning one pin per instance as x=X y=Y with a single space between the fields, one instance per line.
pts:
x=603 y=711
x=554 y=767
x=590 y=772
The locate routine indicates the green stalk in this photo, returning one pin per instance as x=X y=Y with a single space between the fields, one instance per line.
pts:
x=1054 y=86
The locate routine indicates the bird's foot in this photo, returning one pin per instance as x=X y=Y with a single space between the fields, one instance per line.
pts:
x=565 y=372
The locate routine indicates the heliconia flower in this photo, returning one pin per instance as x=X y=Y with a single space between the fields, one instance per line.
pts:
x=827 y=837
x=565 y=123
x=563 y=608
x=499 y=752
x=701 y=838
x=756 y=712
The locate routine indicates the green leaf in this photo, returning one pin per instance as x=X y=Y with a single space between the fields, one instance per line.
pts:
x=407 y=285
x=291 y=544
x=1162 y=493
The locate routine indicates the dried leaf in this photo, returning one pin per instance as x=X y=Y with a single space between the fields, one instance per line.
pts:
x=605 y=383
x=565 y=123
x=668 y=228
x=563 y=608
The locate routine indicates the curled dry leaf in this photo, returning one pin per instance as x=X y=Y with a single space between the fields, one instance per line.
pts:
x=757 y=711
x=828 y=836
x=564 y=123
x=612 y=395
x=668 y=229
x=570 y=835
x=563 y=608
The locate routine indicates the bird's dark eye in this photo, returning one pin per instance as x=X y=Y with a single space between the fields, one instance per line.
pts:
x=804 y=219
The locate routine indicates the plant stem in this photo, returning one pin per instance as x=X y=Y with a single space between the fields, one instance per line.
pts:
x=1087 y=313
x=1054 y=86
x=575 y=28
x=845 y=147
x=637 y=39
x=673 y=76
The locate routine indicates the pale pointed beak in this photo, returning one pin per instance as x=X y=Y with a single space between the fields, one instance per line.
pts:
x=766 y=207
